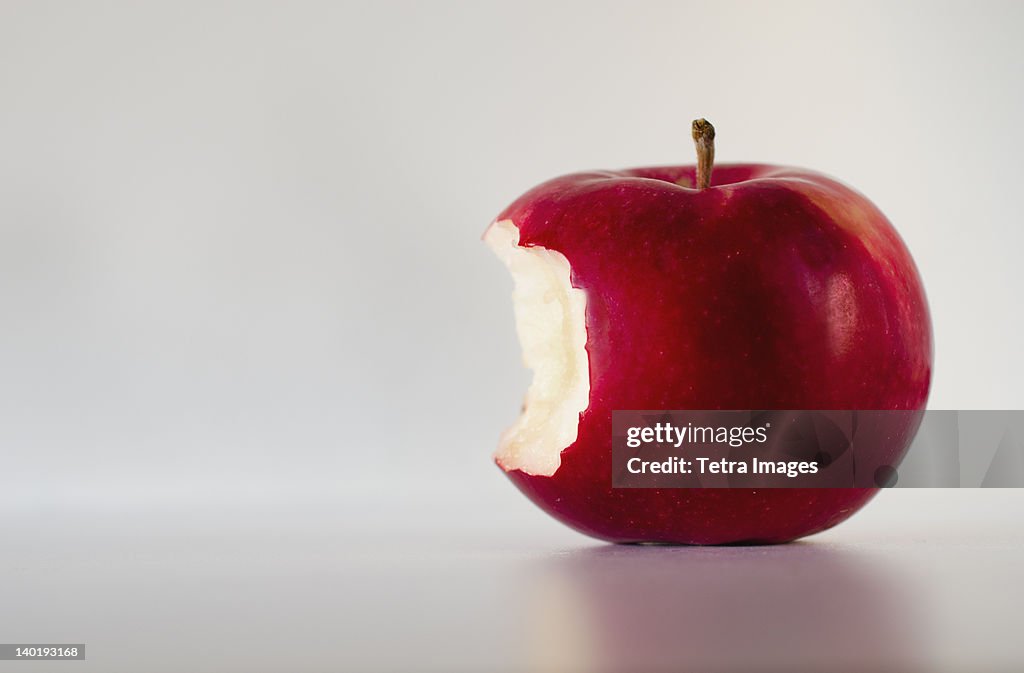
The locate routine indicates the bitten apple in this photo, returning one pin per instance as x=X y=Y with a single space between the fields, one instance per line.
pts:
x=739 y=286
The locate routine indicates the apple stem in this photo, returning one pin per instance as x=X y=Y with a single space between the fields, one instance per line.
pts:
x=704 y=139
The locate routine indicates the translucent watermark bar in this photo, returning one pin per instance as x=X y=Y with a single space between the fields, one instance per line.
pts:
x=817 y=449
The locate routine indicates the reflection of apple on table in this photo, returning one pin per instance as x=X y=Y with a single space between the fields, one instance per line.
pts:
x=803 y=607
x=742 y=286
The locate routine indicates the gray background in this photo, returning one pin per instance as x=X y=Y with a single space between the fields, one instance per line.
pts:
x=251 y=335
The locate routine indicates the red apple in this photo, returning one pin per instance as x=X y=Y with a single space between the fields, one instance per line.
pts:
x=749 y=287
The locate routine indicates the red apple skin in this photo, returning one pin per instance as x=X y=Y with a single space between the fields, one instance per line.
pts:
x=774 y=288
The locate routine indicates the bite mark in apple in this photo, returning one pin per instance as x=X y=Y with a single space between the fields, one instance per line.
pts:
x=551 y=324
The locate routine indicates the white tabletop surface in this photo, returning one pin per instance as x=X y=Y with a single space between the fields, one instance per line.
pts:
x=425 y=578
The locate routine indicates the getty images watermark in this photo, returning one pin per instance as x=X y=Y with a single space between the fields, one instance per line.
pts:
x=817 y=449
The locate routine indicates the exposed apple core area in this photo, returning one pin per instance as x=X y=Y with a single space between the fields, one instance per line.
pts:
x=551 y=323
